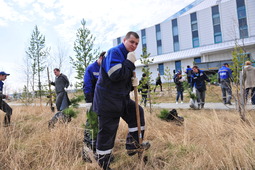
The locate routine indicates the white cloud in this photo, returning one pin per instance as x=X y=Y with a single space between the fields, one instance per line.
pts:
x=44 y=13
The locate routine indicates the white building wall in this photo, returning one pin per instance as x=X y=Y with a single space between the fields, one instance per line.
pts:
x=166 y=36
x=139 y=51
x=205 y=27
x=229 y=22
x=250 y=12
x=184 y=30
x=151 y=40
x=227 y=55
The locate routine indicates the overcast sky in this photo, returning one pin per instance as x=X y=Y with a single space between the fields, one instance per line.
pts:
x=58 y=21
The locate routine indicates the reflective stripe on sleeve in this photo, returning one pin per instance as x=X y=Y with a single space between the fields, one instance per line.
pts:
x=113 y=69
x=95 y=73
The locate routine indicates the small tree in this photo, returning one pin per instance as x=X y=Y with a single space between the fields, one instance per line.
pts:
x=146 y=61
x=168 y=77
x=26 y=96
x=83 y=47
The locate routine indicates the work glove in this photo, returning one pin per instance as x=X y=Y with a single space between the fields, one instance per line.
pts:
x=131 y=57
x=135 y=81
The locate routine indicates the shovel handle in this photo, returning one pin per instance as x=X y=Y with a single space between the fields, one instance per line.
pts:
x=137 y=112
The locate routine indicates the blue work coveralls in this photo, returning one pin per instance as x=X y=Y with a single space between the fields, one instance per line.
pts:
x=90 y=80
x=224 y=78
x=112 y=101
x=89 y=83
x=4 y=106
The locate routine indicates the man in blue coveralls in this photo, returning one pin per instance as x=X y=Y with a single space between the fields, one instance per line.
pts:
x=112 y=100
x=89 y=84
x=3 y=105
x=225 y=78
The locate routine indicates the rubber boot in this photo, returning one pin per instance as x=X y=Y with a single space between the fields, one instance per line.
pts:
x=7 y=120
x=104 y=161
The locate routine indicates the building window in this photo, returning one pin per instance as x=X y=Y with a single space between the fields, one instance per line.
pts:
x=118 y=40
x=161 y=69
x=144 y=45
x=242 y=20
x=194 y=30
x=175 y=35
x=216 y=24
x=158 y=38
x=178 y=66
x=197 y=60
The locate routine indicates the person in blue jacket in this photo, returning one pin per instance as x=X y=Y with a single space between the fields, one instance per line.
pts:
x=89 y=84
x=3 y=105
x=198 y=81
x=225 y=78
x=112 y=100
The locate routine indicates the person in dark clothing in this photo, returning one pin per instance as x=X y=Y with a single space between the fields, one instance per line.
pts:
x=3 y=105
x=189 y=74
x=198 y=81
x=61 y=82
x=143 y=88
x=91 y=127
x=112 y=100
x=225 y=78
x=179 y=87
x=158 y=82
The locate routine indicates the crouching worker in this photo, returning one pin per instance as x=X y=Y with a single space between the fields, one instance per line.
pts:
x=3 y=105
x=91 y=127
x=112 y=101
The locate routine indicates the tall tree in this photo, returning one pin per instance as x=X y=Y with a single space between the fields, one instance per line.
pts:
x=37 y=52
x=85 y=54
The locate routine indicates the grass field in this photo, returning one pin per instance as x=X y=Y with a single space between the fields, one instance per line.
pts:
x=207 y=140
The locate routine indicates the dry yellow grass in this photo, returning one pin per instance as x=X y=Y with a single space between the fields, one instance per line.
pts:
x=207 y=140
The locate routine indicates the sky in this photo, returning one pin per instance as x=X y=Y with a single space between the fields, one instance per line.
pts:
x=59 y=20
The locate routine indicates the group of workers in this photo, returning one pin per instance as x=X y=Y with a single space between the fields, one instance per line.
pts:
x=107 y=86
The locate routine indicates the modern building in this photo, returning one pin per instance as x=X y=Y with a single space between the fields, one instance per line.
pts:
x=204 y=31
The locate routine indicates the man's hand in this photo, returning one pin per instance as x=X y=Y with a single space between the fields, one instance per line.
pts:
x=135 y=81
x=131 y=57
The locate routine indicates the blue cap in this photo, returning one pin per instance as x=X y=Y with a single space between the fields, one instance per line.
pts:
x=4 y=73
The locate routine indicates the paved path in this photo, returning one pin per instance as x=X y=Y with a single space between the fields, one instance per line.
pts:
x=216 y=106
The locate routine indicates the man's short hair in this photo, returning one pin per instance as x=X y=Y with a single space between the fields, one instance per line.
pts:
x=247 y=63
x=102 y=54
x=131 y=33
x=195 y=67
x=225 y=64
x=56 y=69
x=188 y=66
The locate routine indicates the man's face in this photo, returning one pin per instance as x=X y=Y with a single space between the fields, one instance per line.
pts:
x=57 y=73
x=195 y=70
x=3 y=77
x=99 y=61
x=131 y=43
